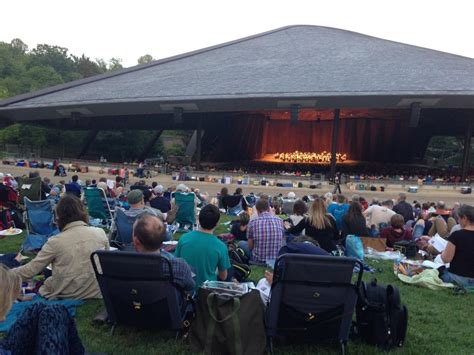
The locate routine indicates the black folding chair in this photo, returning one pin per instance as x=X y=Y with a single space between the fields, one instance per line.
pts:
x=312 y=298
x=138 y=290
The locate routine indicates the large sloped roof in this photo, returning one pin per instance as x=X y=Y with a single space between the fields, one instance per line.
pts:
x=319 y=66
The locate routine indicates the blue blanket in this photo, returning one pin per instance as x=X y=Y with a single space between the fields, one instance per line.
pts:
x=19 y=307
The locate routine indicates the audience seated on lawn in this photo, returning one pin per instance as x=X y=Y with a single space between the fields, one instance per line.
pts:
x=265 y=235
x=299 y=210
x=40 y=329
x=69 y=255
x=203 y=251
x=183 y=189
x=149 y=232
x=319 y=225
x=74 y=187
x=338 y=210
x=404 y=208
x=442 y=221
x=354 y=222
x=234 y=204
x=239 y=227
x=396 y=231
x=459 y=252
x=160 y=202
x=137 y=205
x=379 y=215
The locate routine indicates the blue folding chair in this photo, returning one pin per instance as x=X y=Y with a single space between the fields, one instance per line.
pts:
x=39 y=218
x=124 y=228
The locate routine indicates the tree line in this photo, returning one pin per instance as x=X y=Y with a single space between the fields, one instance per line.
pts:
x=24 y=70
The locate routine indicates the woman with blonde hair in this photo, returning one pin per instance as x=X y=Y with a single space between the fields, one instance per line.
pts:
x=10 y=290
x=41 y=328
x=319 y=225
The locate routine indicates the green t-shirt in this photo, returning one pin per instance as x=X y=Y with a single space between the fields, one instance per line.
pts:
x=205 y=253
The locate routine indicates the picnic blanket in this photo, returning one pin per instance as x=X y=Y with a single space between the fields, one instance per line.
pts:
x=19 y=307
x=428 y=278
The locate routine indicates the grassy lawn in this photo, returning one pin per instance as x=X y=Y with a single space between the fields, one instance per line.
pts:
x=439 y=322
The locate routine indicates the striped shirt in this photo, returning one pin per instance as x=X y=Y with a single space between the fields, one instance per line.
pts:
x=268 y=235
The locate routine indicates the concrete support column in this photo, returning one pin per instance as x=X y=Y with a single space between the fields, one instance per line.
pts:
x=335 y=132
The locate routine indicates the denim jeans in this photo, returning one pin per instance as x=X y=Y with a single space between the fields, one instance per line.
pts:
x=244 y=245
x=417 y=231
x=463 y=281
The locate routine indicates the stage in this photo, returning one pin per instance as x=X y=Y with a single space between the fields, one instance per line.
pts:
x=271 y=159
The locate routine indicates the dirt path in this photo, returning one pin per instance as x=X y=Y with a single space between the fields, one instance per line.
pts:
x=449 y=195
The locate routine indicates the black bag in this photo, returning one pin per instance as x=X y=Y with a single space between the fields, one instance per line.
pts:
x=240 y=263
x=381 y=319
x=228 y=324
x=406 y=247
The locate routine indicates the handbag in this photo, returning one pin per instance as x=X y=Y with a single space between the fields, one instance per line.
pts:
x=228 y=324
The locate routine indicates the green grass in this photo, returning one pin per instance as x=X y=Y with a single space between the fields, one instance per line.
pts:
x=439 y=322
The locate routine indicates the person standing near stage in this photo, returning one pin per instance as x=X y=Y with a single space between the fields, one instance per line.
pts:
x=337 y=184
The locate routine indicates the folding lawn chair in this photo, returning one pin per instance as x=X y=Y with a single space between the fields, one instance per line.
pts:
x=287 y=207
x=30 y=188
x=124 y=229
x=98 y=206
x=186 y=214
x=139 y=290
x=312 y=298
x=234 y=205
x=39 y=220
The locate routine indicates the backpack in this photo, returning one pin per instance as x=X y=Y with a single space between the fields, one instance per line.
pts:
x=240 y=263
x=406 y=247
x=380 y=317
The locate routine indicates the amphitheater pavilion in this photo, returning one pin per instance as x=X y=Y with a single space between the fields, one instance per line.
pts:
x=305 y=88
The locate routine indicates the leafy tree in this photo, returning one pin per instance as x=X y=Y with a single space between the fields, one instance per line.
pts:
x=19 y=46
x=87 y=67
x=55 y=57
x=115 y=64
x=147 y=58
x=43 y=76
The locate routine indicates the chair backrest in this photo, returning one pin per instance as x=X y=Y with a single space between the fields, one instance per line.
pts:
x=72 y=189
x=185 y=202
x=40 y=216
x=124 y=225
x=313 y=295
x=138 y=289
x=234 y=205
x=29 y=187
x=97 y=204
x=287 y=207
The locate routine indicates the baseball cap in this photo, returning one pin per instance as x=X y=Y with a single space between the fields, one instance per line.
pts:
x=134 y=196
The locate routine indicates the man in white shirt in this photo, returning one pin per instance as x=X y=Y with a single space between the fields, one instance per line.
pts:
x=379 y=215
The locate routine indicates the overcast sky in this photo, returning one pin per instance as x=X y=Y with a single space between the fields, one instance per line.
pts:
x=128 y=29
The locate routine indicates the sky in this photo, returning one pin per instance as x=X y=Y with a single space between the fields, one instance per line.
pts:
x=129 y=29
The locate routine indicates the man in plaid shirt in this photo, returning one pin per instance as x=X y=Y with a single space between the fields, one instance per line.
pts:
x=265 y=234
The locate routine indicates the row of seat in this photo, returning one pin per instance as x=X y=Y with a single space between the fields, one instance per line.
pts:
x=312 y=297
